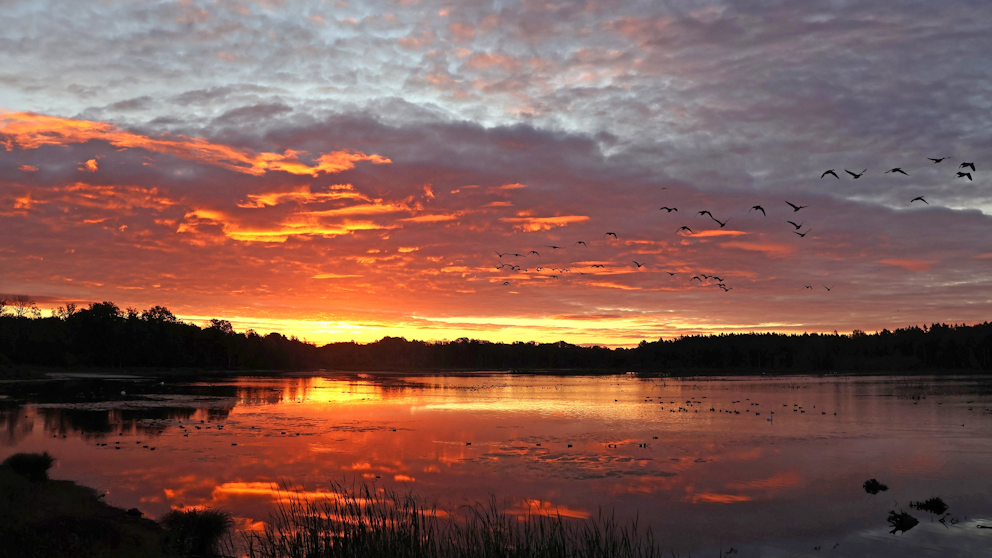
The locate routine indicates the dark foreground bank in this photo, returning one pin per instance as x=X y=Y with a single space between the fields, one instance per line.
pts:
x=43 y=518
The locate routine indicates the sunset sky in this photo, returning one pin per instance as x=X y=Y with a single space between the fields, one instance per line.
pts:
x=348 y=170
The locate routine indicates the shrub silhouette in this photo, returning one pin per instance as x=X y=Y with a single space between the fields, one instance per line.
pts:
x=196 y=532
x=32 y=466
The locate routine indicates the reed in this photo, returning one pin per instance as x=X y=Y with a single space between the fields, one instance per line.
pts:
x=365 y=522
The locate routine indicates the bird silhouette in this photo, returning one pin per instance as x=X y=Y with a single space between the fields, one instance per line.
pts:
x=704 y=212
x=668 y=209
x=830 y=288
x=759 y=208
x=964 y=175
x=534 y=252
x=695 y=277
x=684 y=228
x=920 y=198
x=552 y=247
x=613 y=234
x=717 y=278
x=935 y=161
x=670 y=273
x=721 y=223
x=505 y=283
x=856 y=176
x=965 y=165
x=831 y=171
x=795 y=207
x=801 y=235
x=639 y=265
x=810 y=287
x=501 y=255
x=896 y=169
x=582 y=243
x=799 y=226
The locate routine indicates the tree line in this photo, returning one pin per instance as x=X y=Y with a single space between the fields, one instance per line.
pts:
x=103 y=335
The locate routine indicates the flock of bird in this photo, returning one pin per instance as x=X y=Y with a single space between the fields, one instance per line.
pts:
x=555 y=273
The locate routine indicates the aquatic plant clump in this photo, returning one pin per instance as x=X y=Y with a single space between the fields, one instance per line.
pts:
x=901 y=521
x=872 y=486
x=372 y=522
x=934 y=505
x=196 y=532
x=32 y=466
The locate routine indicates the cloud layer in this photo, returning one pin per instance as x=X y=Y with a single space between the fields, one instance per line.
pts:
x=346 y=172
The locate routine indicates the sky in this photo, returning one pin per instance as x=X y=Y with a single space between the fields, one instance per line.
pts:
x=349 y=170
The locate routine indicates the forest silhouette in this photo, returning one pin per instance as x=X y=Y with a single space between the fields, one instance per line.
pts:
x=104 y=336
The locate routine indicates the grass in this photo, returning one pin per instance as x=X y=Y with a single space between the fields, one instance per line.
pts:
x=364 y=521
x=901 y=521
x=933 y=505
x=196 y=532
x=32 y=466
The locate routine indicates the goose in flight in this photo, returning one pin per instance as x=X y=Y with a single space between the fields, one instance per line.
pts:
x=501 y=255
x=896 y=169
x=598 y=265
x=758 y=208
x=964 y=175
x=721 y=223
x=831 y=171
x=830 y=288
x=795 y=207
x=534 y=252
x=695 y=277
x=799 y=226
x=670 y=273
x=802 y=235
x=639 y=265
x=582 y=243
x=613 y=234
x=555 y=277
x=506 y=283
x=668 y=209
x=966 y=165
x=920 y=198
x=683 y=228
x=856 y=176
x=704 y=212
x=552 y=247
x=720 y=279
x=808 y=287
x=935 y=161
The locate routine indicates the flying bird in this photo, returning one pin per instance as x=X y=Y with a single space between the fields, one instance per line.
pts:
x=533 y=252
x=802 y=235
x=935 y=161
x=683 y=228
x=799 y=226
x=831 y=171
x=582 y=243
x=670 y=273
x=555 y=277
x=501 y=255
x=639 y=265
x=795 y=207
x=704 y=212
x=668 y=209
x=856 y=176
x=695 y=277
x=759 y=208
x=722 y=223
x=964 y=175
x=964 y=165
x=717 y=278
x=920 y=198
x=613 y=234
x=897 y=169
x=808 y=287
x=552 y=247
x=598 y=265
x=830 y=288
x=505 y=283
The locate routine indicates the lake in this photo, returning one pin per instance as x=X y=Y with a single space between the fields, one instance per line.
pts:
x=766 y=466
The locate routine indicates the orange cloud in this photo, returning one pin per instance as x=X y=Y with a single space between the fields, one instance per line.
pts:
x=28 y=168
x=533 y=224
x=89 y=166
x=304 y=196
x=910 y=264
x=31 y=131
x=717 y=232
x=714 y=498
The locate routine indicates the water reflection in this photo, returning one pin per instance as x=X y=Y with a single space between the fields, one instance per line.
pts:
x=699 y=461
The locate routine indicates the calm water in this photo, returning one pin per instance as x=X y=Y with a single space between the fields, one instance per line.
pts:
x=703 y=479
